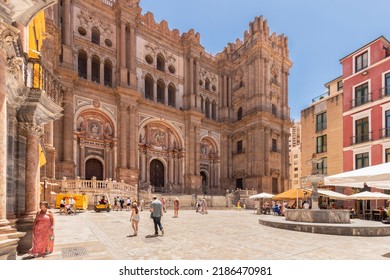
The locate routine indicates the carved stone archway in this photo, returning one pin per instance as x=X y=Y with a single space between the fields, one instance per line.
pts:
x=95 y=139
x=159 y=140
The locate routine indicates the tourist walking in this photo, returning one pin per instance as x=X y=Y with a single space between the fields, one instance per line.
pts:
x=156 y=214
x=128 y=204
x=164 y=204
x=62 y=206
x=121 y=202
x=204 y=206
x=43 y=232
x=176 y=207
x=134 y=218
x=116 y=205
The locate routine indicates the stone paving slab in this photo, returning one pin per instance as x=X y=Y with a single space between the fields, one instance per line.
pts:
x=220 y=234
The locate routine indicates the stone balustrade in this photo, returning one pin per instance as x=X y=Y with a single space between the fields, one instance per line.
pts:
x=94 y=185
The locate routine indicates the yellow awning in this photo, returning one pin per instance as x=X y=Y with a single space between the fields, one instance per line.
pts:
x=292 y=194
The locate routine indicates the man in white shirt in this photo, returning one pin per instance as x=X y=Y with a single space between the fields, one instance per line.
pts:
x=72 y=203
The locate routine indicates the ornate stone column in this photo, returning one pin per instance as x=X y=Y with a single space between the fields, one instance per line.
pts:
x=9 y=237
x=123 y=122
x=191 y=76
x=82 y=158
x=154 y=91
x=89 y=68
x=133 y=132
x=101 y=78
x=68 y=165
x=33 y=134
x=133 y=74
x=266 y=150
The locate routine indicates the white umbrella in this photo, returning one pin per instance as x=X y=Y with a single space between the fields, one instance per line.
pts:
x=374 y=176
x=261 y=195
x=366 y=195
x=332 y=194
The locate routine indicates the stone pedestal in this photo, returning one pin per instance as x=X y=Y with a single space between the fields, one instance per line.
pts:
x=318 y=216
x=25 y=225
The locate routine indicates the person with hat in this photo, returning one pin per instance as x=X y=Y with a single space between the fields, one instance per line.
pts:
x=156 y=210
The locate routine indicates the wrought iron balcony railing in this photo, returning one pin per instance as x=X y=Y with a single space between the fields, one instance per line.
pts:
x=363 y=99
x=384 y=132
x=37 y=77
x=361 y=138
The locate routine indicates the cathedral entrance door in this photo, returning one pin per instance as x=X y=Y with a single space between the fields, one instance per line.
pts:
x=157 y=175
x=93 y=167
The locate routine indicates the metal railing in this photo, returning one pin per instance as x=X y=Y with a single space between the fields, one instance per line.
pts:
x=363 y=99
x=365 y=137
x=384 y=132
x=319 y=97
x=385 y=91
x=37 y=77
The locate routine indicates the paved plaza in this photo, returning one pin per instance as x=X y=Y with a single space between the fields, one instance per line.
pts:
x=220 y=234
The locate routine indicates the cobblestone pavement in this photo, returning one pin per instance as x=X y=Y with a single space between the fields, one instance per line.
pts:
x=220 y=234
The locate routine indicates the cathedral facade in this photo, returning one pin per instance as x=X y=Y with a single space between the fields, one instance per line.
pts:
x=97 y=89
x=149 y=106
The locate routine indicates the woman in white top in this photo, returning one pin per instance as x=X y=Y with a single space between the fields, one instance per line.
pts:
x=134 y=218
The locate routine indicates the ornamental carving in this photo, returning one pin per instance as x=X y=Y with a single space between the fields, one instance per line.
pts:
x=90 y=19
x=154 y=50
x=158 y=137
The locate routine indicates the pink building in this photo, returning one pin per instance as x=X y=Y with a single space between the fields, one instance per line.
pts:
x=366 y=105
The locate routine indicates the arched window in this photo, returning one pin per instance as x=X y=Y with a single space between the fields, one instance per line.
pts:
x=95 y=67
x=160 y=63
x=214 y=110
x=82 y=64
x=273 y=109
x=207 y=84
x=108 y=73
x=160 y=91
x=148 y=87
x=172 y=95
x=95 y=38
x=239 y=114
x=207 y=108
x=202 y=103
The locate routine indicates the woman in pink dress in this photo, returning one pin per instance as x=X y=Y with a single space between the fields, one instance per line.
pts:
x=43 y=232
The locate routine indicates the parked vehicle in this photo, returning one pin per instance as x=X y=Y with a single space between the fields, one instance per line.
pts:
x=102 y=203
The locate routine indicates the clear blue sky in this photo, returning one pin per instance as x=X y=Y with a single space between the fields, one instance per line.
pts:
x=320 y=32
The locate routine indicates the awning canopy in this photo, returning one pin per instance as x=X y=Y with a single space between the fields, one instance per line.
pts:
x=292 y=194
x=261 y=195
x=332 y=194
x=369 y=196
x=377 y=176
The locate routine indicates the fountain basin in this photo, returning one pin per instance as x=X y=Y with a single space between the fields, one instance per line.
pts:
x=333 y=216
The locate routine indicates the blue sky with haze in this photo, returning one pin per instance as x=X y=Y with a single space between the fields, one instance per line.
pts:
x=320 y=32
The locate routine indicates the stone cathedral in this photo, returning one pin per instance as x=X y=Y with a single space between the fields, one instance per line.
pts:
x=113 y=95
x=148 y=105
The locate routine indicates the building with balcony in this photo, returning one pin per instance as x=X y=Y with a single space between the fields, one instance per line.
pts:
x=366 y=108
x=322 y=130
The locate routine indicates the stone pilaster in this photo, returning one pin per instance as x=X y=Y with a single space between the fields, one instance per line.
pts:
x=9 y=236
